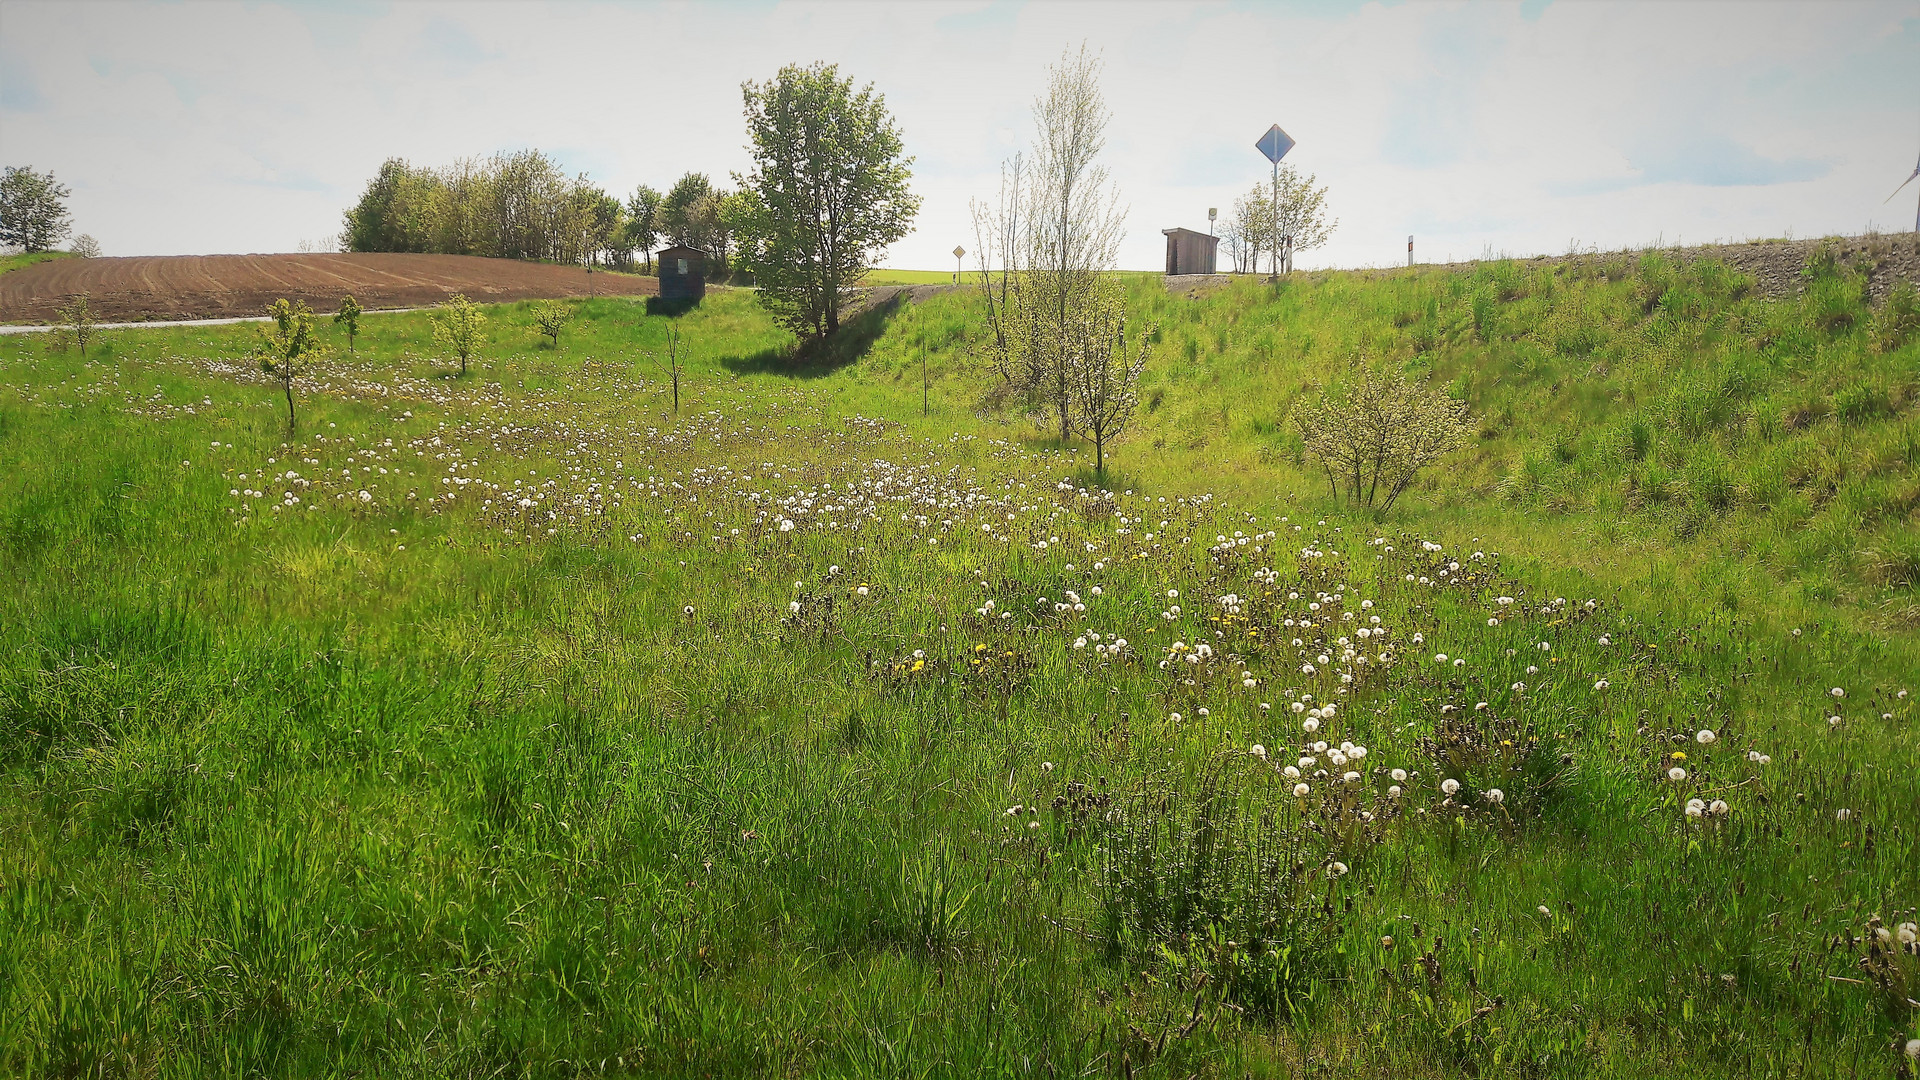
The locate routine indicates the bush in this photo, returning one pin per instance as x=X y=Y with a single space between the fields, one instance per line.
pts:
x=1233 y=879
x=1862 y=401
x=1485 y=750
x=1376 y=434
x=1898 y=320
x=1710 y=481
x=1635 y=439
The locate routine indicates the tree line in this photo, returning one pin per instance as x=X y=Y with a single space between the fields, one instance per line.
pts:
x=827 y=193
x=523 y=205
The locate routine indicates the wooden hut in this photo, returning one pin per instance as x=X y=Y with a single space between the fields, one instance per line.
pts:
x=1190 y=252
x=683 y=272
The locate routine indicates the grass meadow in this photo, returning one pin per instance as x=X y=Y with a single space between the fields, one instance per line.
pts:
x=516 y=725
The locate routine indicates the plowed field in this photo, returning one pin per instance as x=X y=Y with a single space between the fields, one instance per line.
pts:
x=215 y=286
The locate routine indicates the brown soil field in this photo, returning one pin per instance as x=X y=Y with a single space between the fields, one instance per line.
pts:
x=222 y=286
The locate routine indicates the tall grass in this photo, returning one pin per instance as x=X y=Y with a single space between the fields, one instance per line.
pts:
x=558 y=754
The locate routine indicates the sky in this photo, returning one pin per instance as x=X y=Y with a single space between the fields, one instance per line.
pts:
x=1507 y=128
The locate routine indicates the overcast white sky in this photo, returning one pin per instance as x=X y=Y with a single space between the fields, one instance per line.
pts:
x=188 y=128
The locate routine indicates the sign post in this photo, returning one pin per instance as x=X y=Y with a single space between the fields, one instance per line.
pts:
x=958 y=254
x=1275 y=144
x=1409 y=249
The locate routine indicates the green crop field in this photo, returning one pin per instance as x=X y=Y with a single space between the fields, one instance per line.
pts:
x=515 y=725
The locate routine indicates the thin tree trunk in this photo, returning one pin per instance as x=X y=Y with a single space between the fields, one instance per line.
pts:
x=288 y=384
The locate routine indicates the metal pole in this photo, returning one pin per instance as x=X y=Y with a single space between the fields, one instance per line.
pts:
x=1276 y=219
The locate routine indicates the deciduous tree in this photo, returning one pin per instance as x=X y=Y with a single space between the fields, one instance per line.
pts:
x=77 y=325
x=643 y=222
x=287 y=348
x=1056 y=229
x=1302 y=210
x=827 y=194
x=348 y=316
x=33 y=210
x=85 y=246
x=551 y=317
x=690 y=215
x=1104 y=368
x=457 y=327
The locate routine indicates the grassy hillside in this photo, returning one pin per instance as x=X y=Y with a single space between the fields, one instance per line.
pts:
x=21 y=262
x=1629 y=409
x=516 y=725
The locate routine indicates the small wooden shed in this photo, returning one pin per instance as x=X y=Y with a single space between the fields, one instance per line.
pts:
x=1190 y=252
x=683 y=272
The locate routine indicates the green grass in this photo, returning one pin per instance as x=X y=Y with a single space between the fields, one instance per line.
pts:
x=447 y=779
x=22 y=261
x=908 y=277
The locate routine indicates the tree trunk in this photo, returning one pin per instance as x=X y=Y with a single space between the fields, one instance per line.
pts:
x=288 y=384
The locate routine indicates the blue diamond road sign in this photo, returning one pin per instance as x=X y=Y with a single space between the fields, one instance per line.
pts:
x=1275 y=144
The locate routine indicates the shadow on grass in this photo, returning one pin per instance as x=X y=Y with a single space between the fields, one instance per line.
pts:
x=670 y=309
x=813 y=359
x=1115 y=480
